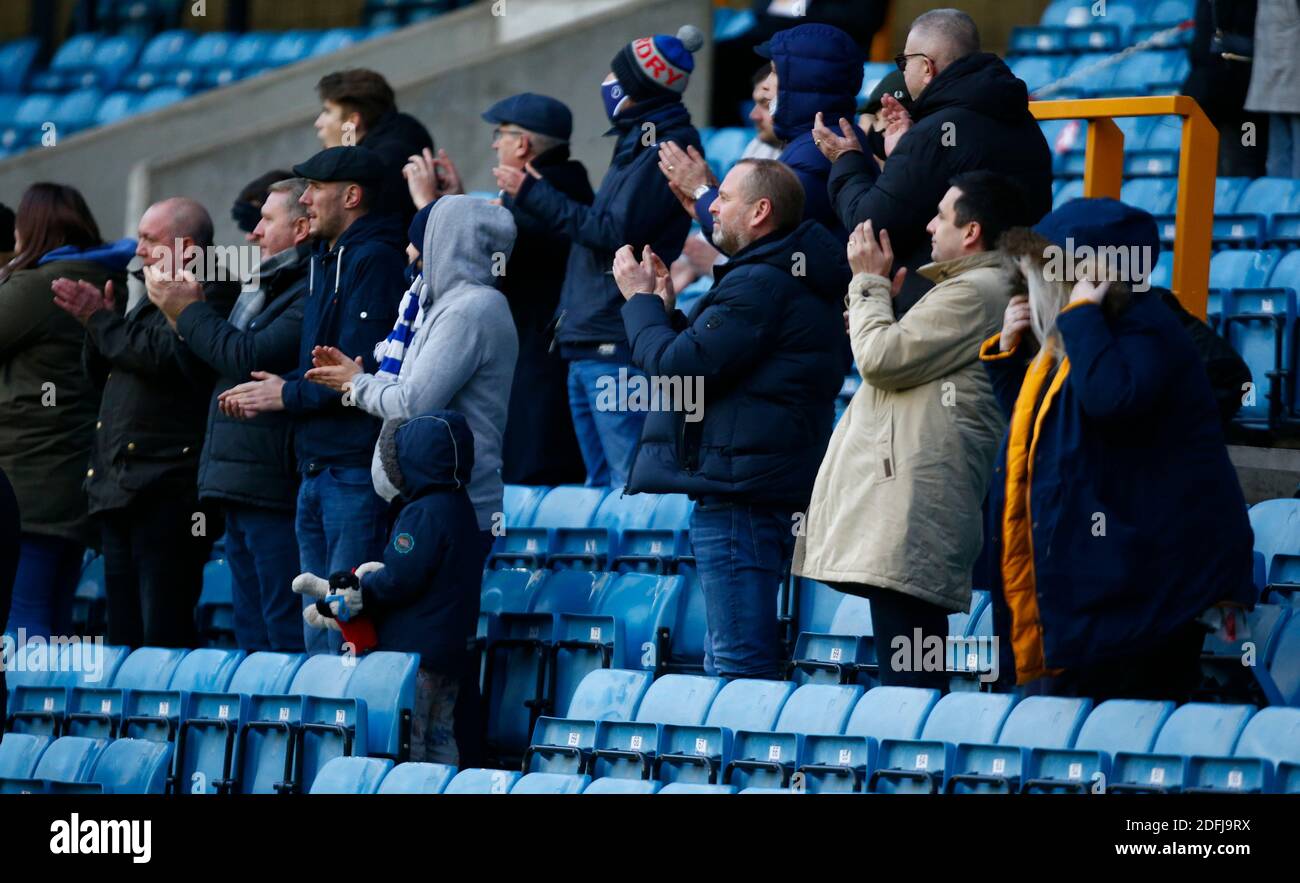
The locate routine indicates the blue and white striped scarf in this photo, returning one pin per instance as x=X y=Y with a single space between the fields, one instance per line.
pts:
x=390 y=351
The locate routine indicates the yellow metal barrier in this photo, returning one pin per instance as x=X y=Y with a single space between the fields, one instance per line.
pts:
x=1198 y=161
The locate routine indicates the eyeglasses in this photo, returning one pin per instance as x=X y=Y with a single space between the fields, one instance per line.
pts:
x=901 y=59
x=498 y=132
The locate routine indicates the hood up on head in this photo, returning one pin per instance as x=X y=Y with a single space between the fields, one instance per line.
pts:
x=426 y=454
x=467 y=243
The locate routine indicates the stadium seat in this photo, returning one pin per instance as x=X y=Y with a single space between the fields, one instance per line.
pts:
x=1242 y=269
x=19 y=754
x=520 y=503
x=696 y=788
x=842 y=762
x=1172 y=11
x=335 y=40
x=728 y=24
x=1036 y=722
x=1197 y=728
x=126 y=766
x=550 y=783
x=96 y=711
x=16 y=59
x=351 y=775
x=845 y=653
x=482 y=782
x=817 y=605
x=1270 y=739
x=1155 y=195
x=157 y=99
x=206 y=53
x=66 y=759
x=1163 y=273
x=216 y=608
x=1284 y=229
x=612 y=785
x=1259 y=323
x=699 y=753
x=1227 y=665
x=417 y=778
x=1073 y=189
x=76 y=110
x=1029 y=41
x=562 y=745
x=385 y=682
x=628 y=747
x=39 y=699
x=767 y=759
x=920 y=765
x=1270 y=195
x=114 y=108
x=1038 y=70
x=28 y=118
x=1286 y=273
x=291 y=47
x=1115 y=725
x=156 y=713
x=569 y=506
x=724 y=148
x=1281 y=679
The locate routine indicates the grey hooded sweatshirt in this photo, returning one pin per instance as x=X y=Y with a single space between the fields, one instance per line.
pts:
x=462 y=357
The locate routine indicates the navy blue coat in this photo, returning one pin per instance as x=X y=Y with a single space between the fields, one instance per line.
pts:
x=769 y=345
x=818 y=70
x=425 y=600
x=1133 y=435
x=632 y=207
x=352 y=296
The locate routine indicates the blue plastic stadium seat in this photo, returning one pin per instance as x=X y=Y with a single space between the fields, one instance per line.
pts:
x=96 y=710
x=28 y=118
x=40 y=695
x=156 y=713
x=1242 y=269
x=67 y=759
x=481 y=781
x=1270 y=739
x=1098 y=81
x=550 y=783
x=613 y=785
x=1073 y=189
x=1172 y=11
x=562 y=745
x=1286 y=274
x=1036 y=722
x=699 y=753
x=115 y=107
x=520 y=503
x=19 y=754
x=291 y=47
x=1256 y=635
x=206 y=53
x=156 y=99
x=385 y=682
x=1276 y=524
x=216 y=608
x=1197 y=728
x=1116 y=725
x=725 y=147
x=1284 y=229
x=1094 y=38
x=672 y=513
x=1259 y=323
x=351 y=775
x=417 y=778
x=510 y=591
x=1156 y=195
x=1038 y=70
x=843 y=762
x=767 y=759
x=336 y=39
x=1281 y=680
x=129 y=766
x=1157 y=163
x=113 y=57
x=1163 y=274
x=921 y=765
x=628 y=747
x=569 y=506
x=1031 y=40
x=696 y=788
x=818 y=604
x=845 y=651
x=16 y=59
x=1270 y=195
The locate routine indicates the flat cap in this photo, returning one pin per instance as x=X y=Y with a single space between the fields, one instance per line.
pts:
x=536 y=113
x=357 y=164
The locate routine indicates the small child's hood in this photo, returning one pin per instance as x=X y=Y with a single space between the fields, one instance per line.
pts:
x=426 y=454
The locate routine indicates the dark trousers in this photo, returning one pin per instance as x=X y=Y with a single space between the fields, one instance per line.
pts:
x=153 y=568
x=469 y=720
x=895 y=617
x=48 y=571
x=1170 y=669
x=262 y=550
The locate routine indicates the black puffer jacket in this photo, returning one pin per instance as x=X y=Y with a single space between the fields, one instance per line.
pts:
x=251 y=461
x=974 y=115
x=767 y=346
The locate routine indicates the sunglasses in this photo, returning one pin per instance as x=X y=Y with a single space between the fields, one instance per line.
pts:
x=901 y=59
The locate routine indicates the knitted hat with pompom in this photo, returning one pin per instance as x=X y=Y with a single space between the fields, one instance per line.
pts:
x=650 y=67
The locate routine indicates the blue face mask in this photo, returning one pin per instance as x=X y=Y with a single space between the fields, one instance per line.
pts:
x=612 y=94
x=412 y=270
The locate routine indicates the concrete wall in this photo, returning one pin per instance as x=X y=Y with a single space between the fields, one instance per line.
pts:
x=98 y=162
x=569 y=64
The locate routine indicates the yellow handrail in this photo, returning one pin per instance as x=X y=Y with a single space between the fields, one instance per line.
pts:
x=1199 y=158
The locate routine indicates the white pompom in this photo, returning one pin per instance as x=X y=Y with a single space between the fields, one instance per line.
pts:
x=692 y=38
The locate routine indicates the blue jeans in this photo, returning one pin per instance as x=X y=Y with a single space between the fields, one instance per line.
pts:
x=49 y=569
x=342 y=523
x=741 y=554
x=1283 y=145
x=606 y=437
x=262 y=551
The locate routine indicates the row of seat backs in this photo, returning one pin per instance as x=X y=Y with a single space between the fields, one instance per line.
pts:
x=167 y=682
x=1159 y=194
x=78 y=764
x=751 y=710
x=575 y=506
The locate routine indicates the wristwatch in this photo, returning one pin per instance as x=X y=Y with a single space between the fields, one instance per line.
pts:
x=700 y=191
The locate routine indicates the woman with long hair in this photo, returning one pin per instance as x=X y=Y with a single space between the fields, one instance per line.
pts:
x=1119 y=527
x=48 y=402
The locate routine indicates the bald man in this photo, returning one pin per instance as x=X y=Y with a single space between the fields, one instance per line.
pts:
x=142 y=475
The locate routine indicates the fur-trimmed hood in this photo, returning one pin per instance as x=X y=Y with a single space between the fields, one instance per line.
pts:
x=426 y=454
